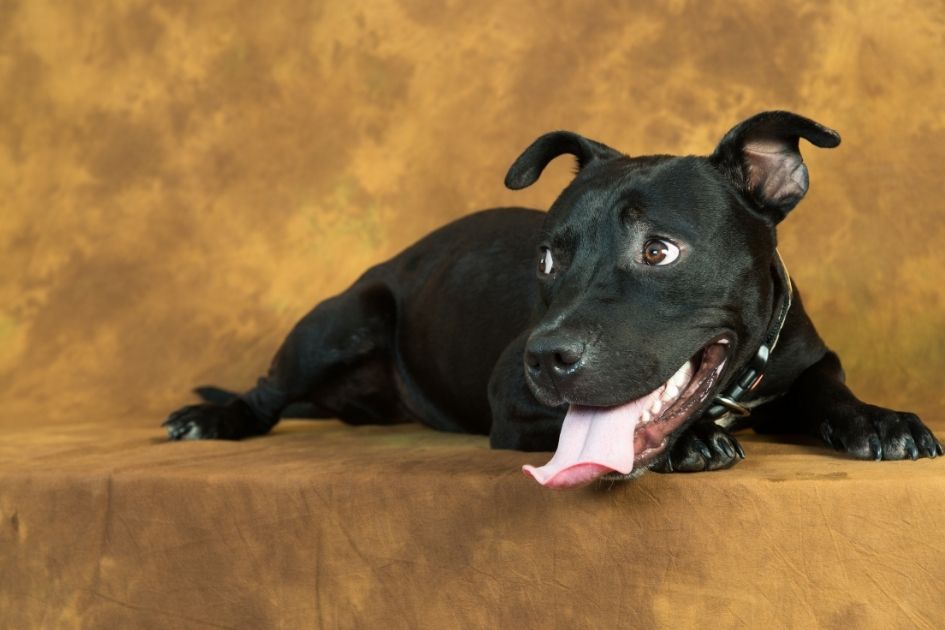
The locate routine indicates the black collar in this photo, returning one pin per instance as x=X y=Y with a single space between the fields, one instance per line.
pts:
x=727 y=402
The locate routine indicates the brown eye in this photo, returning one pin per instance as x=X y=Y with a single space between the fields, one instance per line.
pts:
x=546 y=264
x=657 y=252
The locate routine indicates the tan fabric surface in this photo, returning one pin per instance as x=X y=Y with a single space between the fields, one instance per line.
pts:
x=324 y=525
x=180 y=182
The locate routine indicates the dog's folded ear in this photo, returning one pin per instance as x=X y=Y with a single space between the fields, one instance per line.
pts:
x=529 y=165
x=761 y=156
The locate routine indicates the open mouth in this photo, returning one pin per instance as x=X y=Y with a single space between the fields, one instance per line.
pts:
x=616 y=441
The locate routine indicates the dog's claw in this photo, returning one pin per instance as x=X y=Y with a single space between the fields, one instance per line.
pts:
x=826 y=433
x=723 y=445
x=927 y=445
x=703 y=449
x=833 y=441
x=876 y=448
x=911 y=449
x=739 y=449
x=177 y=431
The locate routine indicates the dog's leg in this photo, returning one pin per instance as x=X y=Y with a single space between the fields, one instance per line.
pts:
x=703 y=446
x=821 y=405
x=337 y=337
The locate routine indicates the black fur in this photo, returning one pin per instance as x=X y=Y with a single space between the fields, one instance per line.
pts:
x=457 y=332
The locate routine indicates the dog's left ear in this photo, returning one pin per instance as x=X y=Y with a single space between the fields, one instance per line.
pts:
x=529 y=165
x=762 y=158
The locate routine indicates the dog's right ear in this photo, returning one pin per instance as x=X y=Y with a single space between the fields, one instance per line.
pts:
x=529 y=165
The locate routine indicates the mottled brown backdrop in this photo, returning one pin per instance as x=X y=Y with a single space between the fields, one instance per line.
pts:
x=179 y=182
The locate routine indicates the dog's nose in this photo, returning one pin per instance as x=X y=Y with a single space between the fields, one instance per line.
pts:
x=556 y=356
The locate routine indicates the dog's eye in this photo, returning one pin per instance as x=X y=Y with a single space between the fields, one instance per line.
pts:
x=656 y=251
x=546 y=265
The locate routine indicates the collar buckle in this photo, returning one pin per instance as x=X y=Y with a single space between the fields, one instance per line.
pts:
x=751 y=376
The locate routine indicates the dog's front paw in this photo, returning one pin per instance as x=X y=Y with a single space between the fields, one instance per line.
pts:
x=870 y=432
x=704 y=446
x=209 y=421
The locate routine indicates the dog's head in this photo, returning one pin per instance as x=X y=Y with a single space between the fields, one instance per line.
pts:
x=656 y=284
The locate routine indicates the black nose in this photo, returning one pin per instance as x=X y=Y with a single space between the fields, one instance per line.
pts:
x=556 y=356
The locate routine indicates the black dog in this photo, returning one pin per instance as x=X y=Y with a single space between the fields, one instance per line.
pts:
x=658 y=299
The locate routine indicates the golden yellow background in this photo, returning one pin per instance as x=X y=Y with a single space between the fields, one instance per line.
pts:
x=179 y=182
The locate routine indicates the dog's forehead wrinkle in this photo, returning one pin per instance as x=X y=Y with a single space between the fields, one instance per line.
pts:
x=684 y=195
x=565 y=238
x=585 y=232
x=630 y=190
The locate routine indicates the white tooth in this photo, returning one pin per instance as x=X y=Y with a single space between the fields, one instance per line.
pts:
x=656 y=406
x=671 y=392
x=683 y=375
x=645 y=417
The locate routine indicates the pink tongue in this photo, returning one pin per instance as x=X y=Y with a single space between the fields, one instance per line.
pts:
x=593 y=441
